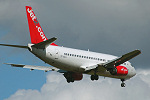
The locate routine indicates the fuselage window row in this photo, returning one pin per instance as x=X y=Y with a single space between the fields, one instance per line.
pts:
x=86 y=57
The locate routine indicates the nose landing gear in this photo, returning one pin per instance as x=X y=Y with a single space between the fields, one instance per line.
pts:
x=123 y=84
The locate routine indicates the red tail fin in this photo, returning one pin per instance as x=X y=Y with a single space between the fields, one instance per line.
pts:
x=36 y=33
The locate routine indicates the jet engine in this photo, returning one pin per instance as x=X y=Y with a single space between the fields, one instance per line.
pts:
x=77 y=76
x=71 y=77
x=119 y=70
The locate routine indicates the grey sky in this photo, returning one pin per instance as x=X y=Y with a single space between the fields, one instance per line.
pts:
x=114 y=27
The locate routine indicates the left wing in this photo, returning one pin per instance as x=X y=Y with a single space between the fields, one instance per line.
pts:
x=31 y=67
x=122 y=59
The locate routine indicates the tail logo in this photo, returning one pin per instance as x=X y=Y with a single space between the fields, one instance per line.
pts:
x=41 y=33
x=31 y=14
x=37 y=25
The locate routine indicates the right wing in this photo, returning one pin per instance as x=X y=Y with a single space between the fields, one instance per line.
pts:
x=31 y=67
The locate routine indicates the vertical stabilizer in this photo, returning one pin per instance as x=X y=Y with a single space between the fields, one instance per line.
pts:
x=36 y=33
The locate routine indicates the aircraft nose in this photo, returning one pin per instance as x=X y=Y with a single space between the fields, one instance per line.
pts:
x=133 y=72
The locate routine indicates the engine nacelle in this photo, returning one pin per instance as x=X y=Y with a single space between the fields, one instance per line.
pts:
x=71 y=76
x=77 y=76
x=119 y=70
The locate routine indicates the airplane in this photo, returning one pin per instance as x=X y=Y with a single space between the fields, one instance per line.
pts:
x=73 y=63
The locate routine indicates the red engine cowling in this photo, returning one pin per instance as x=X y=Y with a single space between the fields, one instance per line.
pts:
x=121 y=70
x=77 y=76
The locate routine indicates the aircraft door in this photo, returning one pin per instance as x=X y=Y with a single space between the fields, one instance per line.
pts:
x=56 y=54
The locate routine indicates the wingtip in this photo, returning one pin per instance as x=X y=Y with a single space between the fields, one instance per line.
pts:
x=139 y=51
x=54 y=37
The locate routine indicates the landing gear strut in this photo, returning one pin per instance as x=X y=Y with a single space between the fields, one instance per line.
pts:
x=123 y=84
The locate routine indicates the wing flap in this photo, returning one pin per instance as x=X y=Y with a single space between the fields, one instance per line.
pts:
x=90 y=67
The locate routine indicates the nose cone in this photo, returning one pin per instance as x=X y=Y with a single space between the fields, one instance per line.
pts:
x=133 y=72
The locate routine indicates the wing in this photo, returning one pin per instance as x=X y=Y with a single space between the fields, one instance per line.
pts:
x=31 y=67
x=121 y=60
x=113 y=63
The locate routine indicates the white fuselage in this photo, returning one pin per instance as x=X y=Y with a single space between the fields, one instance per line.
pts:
x=75 y=60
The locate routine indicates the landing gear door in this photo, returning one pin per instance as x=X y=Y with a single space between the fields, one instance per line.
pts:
x=56 y=54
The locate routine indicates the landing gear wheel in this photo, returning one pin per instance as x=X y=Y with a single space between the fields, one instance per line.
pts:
x=94 y=77
x=123 y=84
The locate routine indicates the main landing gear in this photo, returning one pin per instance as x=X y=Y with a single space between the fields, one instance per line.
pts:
x=123 y=84
x=94 y=77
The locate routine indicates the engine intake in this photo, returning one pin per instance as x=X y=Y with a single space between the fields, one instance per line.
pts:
x=119 y=70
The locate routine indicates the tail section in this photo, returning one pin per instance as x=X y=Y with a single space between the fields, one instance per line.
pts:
x=36 y=33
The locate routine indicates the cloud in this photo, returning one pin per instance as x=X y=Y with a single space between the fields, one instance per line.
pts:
x=57 y=88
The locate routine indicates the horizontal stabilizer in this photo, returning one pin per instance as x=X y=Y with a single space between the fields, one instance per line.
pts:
x=44 y=44
x=17 y=46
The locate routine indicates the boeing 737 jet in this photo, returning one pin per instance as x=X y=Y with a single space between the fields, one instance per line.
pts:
x=73 y=63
